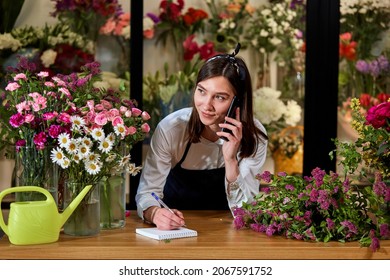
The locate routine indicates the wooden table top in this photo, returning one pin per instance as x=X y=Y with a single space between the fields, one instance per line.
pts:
x=217 y=239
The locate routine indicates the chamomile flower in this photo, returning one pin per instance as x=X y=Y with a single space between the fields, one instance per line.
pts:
x=93 y=167
x=111 y=137
x=65 y=163
x=111 y=157
x=76 y=158
x=98 y=134
x=105 y=146
x=120 y=129
x=64 y=140
x=57 y=155
x=83 y=151
x=133 y=169
x=72 y=147
x=125 y=160
x=77 y=122
x=93 y=156
x=86 y=141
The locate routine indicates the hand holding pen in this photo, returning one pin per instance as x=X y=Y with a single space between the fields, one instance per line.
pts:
x=167 y=218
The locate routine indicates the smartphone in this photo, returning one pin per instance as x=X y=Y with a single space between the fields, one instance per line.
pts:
x=231 y=114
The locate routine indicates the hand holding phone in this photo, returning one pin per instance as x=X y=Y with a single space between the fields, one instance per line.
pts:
x=231 y=114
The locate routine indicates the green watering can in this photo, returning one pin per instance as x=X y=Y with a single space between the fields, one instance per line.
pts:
x=36 y=222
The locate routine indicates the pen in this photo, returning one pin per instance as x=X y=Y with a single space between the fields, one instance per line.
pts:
x=163 y=204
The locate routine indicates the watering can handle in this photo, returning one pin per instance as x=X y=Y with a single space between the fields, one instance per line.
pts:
x=19 y=189
x=24 y=189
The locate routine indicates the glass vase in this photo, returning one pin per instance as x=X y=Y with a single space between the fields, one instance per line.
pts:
x=113 y=202
x=85 y=220
x=35 y=168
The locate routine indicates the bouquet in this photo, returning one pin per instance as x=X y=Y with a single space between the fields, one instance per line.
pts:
x=276 y=115
x=326 y=207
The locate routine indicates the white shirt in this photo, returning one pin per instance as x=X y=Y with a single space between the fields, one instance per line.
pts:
x=167 y=147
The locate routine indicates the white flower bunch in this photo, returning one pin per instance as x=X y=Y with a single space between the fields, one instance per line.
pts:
x=272 y=111
x=352 y=7
x=273 y=25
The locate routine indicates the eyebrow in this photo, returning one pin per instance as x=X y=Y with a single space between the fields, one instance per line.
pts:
x=220 y=92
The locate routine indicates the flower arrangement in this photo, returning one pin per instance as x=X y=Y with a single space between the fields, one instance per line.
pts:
x=373 y=142
x=367 y=20
x=93 y=147
x=364 y=48
x=277 y=29
x=227 y=21
x=275 y=115
x=176 y=25
x=52 y=48
x=85 y=17
x=321 y=207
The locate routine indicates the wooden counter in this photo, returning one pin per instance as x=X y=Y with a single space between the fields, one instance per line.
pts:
x=217 y=239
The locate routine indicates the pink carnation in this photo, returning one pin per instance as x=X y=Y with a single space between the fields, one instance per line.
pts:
x=12 y=86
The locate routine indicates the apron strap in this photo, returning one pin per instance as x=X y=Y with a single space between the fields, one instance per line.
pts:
x=185 y=154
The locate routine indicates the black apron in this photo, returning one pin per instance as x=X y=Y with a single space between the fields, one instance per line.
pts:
x=195 y=189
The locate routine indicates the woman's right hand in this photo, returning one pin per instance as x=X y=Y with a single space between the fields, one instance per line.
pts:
x=165 y=220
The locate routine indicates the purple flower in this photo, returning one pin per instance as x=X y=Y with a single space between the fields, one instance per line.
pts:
x=318 y=176
x=239 y=222
x=297 y=236
x=362 y=66
x=346 y=185
x=290 y=187
x=258 y=227
x=374 y=68
x=266 y=176
x=313 y=195
x=153 y=17
x=352 y=229
x=329 y=223
x=384 y=230
x=309 y=234
x=270 y=230
x=379 y=188
x=374 y=244
x=383 y=63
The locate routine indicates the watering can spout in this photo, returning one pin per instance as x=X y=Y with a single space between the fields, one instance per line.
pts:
x=73 y=205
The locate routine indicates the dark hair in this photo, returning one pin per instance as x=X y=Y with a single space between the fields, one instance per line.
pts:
x=236 y=72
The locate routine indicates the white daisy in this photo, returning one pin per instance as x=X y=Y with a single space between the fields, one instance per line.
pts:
x=125 y=160
x=93 y=156
x=133 y=170
x=111 y=157
x=72 y=147
x=77 y=122
x=83 y=151
x=98 y=134
x=63 y=139
x=120 y=129
x=65 y=163
x=105 y=146
x=111 y=137
x=86 y=141
x=76 y=158
x=57 y=155
x=93 y=167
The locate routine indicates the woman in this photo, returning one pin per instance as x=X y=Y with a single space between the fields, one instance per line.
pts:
x=189 y=165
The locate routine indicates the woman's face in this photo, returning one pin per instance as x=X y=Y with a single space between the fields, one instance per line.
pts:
x=212 y=99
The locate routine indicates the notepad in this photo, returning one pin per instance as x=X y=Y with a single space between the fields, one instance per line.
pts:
x=158 y=234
